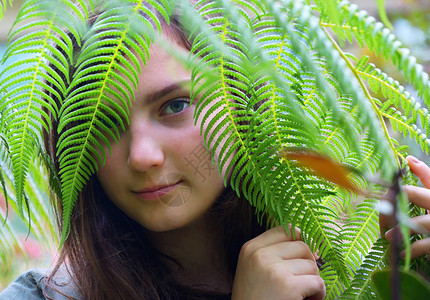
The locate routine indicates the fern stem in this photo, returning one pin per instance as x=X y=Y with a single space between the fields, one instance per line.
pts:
x=278 y=59
x=69 y=199
x=223 y=83
x=391 y=87
x=23 y=169
x=402 y=95
x=309 y=97
x=331 y=25
x=367 y=94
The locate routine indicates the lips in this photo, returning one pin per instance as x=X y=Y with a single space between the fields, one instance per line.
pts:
x=156 y=192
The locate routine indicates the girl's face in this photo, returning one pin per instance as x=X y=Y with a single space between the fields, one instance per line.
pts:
x=159 y=173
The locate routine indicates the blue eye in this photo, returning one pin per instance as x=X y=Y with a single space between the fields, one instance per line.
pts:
x=176 y=106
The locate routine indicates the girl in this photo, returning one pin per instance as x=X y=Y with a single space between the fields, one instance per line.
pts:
x=156 y=221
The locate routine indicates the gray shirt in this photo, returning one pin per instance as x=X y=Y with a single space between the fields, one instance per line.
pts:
x=31 y=284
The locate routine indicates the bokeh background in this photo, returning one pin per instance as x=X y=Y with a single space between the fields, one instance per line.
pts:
x=411 y=22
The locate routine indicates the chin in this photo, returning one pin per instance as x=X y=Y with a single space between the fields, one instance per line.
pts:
x=165 y=227
x=164 y=223
x=172 y=220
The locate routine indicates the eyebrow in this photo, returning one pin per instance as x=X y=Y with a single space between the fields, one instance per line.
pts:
x=159 y=94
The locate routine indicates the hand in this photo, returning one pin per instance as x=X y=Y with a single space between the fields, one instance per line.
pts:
x=420 y=197
x=274 y=266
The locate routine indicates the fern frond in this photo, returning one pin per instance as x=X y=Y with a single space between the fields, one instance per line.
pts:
x=325 y=46
x=4 y=160
x=266 y=75
x=394 y=93
x=330 y=8
x=99 y=97
x=403 y=125
x=9 y=242
x=380 y=40
x=25 y=103
x=41 y=224
x=368 y=164
x=247 y=150
x=36 y=193
x=3 y=7
x=396 y=97
x=358 y=232
x=360 y=287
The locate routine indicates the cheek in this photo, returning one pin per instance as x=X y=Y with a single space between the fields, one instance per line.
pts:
x=113 y=167
x=192 y=155
x=186 y=143
x=216 y=131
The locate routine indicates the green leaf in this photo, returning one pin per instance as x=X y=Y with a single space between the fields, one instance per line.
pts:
x=3 y=6
x=24 y=105
x=101 y=92
x=383 y=14
x=412 y=286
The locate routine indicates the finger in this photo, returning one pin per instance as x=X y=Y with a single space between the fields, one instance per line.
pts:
x=420 y=169
x=315 y=287
x=418 y=195
x=285 y=251
x=419 y=248
x=299 y=267
x=385 y=222
x=422 y=221
x=272 y=236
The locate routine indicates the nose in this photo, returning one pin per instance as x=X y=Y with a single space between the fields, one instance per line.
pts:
x=145 y=150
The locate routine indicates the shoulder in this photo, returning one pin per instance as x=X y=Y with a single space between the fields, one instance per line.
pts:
x=26 y=286
x=33 y=284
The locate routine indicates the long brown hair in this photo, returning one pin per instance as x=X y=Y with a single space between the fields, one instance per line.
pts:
x=109 y=256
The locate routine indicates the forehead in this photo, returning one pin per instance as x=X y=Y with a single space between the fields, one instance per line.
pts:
x=162 y=71
x=162 y=66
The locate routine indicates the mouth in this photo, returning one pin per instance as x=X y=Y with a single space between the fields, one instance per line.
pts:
x=156 y=192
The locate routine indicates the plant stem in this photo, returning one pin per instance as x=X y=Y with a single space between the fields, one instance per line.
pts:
x=393 y=197
x=366 y=93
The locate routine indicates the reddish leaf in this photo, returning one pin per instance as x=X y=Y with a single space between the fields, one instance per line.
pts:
x=322 y=166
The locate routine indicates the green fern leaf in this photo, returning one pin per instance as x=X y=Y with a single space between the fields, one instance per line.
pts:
x=3 y=6
x=368 y=163
x=403 y=125
x=24 y=101
x=322 y=44
x=357 y=234
x=329 y=8
x=99 y=97
x=39 y=221
x=267 y=76
x=9 y=242
x=381 y=41
x=397 y=96
x=360 y=287
x=255 y=171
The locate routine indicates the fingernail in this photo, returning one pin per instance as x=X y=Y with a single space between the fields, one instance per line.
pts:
x=413 y=159
x=389 y=234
